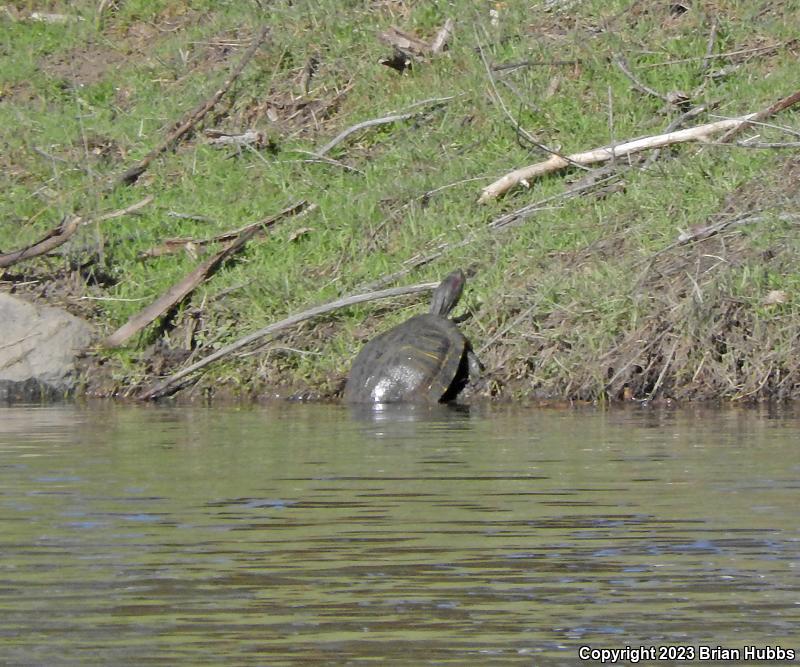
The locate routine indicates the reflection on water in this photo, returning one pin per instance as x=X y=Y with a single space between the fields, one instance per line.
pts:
x=320 y=534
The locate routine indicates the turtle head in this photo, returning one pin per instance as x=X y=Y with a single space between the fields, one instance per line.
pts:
x=447 y=294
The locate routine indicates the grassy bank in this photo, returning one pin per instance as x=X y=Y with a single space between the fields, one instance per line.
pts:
x=589 y=297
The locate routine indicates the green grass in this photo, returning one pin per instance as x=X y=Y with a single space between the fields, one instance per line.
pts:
x=582 y=264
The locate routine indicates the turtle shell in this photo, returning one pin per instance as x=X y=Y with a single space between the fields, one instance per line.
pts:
x=421 y=360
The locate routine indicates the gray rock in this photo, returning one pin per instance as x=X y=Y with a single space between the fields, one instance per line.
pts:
x=39 y=346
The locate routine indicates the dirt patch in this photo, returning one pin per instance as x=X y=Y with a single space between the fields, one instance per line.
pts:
x=83 y=66
x=19 y=93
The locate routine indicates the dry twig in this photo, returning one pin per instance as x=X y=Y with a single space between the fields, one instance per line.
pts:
x=712 y=40
x=556 y=163
x=170 y=246
x=43 y=17
x=61 y=234
x=605 y=153
x=133 y=208
x=532 y=63
x=177 y=292
x=54 y=238
x=619 y=61
x=771 y=110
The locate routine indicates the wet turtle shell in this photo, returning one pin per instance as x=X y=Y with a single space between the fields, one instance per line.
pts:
x=425 y=359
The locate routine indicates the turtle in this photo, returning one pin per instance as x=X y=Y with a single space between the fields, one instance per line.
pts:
x=425 y=359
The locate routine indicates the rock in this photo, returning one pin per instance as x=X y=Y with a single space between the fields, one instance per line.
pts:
x=39 y=346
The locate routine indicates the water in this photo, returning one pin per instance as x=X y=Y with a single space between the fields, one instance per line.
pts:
x=317 y=535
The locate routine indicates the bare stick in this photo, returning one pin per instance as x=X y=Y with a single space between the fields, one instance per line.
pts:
x=556 y=163
x=133 y=208
x=712 y=40
x=619 y=61
x=54 y=238
x=779 y=106
x=774 y=126
x=53 y=18
x=177 y=292
x=170 y=246
x=533 y=63
x=62 y=233
x=194 y=117
x=697 y=133
x=163 y=387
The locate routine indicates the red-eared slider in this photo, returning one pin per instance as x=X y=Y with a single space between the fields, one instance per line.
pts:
x=425 y=359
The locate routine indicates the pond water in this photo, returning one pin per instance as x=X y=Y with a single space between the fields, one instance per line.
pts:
x=308 y=534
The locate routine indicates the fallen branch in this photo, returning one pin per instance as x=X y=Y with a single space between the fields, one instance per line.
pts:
x=54 y=238
x=163 y=388
x=178 y=292
x=123 y=211
x=712 y=40
x=556 y=163
x=61 y=234
x=194 y=117
x=771 y=110
x=697 y=133
x=175 y=245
